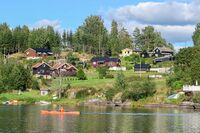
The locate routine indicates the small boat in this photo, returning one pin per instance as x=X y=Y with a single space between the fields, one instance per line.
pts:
x=46 y=112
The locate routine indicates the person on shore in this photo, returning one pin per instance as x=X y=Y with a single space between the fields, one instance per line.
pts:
x=61 y=109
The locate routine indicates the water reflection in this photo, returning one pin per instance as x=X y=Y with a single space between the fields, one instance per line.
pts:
x=27 y=118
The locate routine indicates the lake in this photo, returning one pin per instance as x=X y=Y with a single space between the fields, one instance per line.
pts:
x=27 y=119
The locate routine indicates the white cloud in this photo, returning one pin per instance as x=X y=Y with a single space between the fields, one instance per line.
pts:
x=175 y=20
x=163 y=13
x=56 y=24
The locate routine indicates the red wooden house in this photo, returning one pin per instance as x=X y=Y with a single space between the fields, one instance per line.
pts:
x=38 y=52
x=105 y=62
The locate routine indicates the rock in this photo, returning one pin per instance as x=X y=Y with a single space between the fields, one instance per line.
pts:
x=127 y=104
x=98 y=102
x=117 y=99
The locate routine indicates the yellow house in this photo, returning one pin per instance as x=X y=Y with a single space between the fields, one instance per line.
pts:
x=126 y=52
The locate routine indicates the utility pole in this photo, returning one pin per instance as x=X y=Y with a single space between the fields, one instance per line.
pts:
x=140 y=66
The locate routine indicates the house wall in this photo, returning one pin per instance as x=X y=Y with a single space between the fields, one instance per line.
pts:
x=127 y=53
x=64 y=72
x=31 y=53
x=42 y=70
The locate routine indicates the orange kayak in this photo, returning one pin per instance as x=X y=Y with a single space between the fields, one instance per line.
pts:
x=46 y=112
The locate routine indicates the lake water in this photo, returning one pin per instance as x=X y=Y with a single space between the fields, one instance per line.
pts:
x=27 y=119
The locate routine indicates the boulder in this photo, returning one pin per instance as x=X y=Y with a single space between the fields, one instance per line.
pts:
x=117 y=99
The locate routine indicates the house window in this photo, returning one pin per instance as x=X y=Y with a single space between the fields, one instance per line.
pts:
x=41 y=71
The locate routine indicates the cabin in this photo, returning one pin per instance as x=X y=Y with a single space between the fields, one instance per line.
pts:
x=146 y=54
x=37 y=52
x=126 y=52
x=44 y=92
x=163 y=51
x=142 y=67
x=41 y=69
x=63 y=69
x=137 y=51
x=105 y=62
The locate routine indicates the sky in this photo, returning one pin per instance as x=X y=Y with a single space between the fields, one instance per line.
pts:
x=174 y=19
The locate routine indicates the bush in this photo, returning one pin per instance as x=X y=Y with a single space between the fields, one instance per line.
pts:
x=102 y=72
x=35 y=85
x=148 y=88
x=120 y=82
x=196 y=98
x=110 y=93
x=81 y=75
x=109 y=76
x=85 y=92
x=177 y=85
x=139 y=91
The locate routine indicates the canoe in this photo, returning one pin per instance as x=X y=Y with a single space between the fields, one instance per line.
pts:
x=46 y=112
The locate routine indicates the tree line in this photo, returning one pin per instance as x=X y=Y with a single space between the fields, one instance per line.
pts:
x=91 y=37
x=186 y=66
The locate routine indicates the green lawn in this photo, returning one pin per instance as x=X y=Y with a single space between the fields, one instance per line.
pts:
x=28 y=96
x=94 y=82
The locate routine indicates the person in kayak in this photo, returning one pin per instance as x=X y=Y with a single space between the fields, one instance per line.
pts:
x=61 y=109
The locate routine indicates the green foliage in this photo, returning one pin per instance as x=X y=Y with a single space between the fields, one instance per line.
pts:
x=138 y=91
x=148 y=38
x=91 y=37
x=120 y=83
x=81 y=75
x=196 y=35
x=35 y=84
x=71 y=58
x=187 y=65
x=177 y=85
x=110 y=93
x=13 y=76
x=102 y=72
x=85 y=92
x=44 y=38
x=196 y=98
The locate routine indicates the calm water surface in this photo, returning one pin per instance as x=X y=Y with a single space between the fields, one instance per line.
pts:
x=27 y=119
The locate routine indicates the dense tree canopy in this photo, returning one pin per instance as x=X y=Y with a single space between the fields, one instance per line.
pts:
x=91 y=37
x=148 y=38
x=21 y=38
x=196 y=35
x=187 y=65
x=13 y=76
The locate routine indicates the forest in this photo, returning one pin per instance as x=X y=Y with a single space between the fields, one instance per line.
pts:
x=91 y=37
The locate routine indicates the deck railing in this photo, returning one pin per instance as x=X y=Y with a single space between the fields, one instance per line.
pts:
x=191 y=88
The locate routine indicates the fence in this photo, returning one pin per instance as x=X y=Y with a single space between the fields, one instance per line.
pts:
x=191 y=88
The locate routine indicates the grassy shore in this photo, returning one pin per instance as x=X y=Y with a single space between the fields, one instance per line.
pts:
x=93 y=82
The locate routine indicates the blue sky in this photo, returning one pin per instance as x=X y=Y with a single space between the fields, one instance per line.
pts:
x=69 y=14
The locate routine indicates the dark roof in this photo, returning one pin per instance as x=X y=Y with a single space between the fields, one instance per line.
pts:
x=142 y=66
x=137 y=50
x=42 y=50
x=105 y=59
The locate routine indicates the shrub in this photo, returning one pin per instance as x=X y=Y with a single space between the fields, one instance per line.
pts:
x=177 y=85
x=102 y=72
x=120 y=82
x=196 y=98
x=109 y=76
x=85 y=92
x=35 y=85
x=139 y=91
x=148 y=88
x=81 y=75
x=110 y=93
